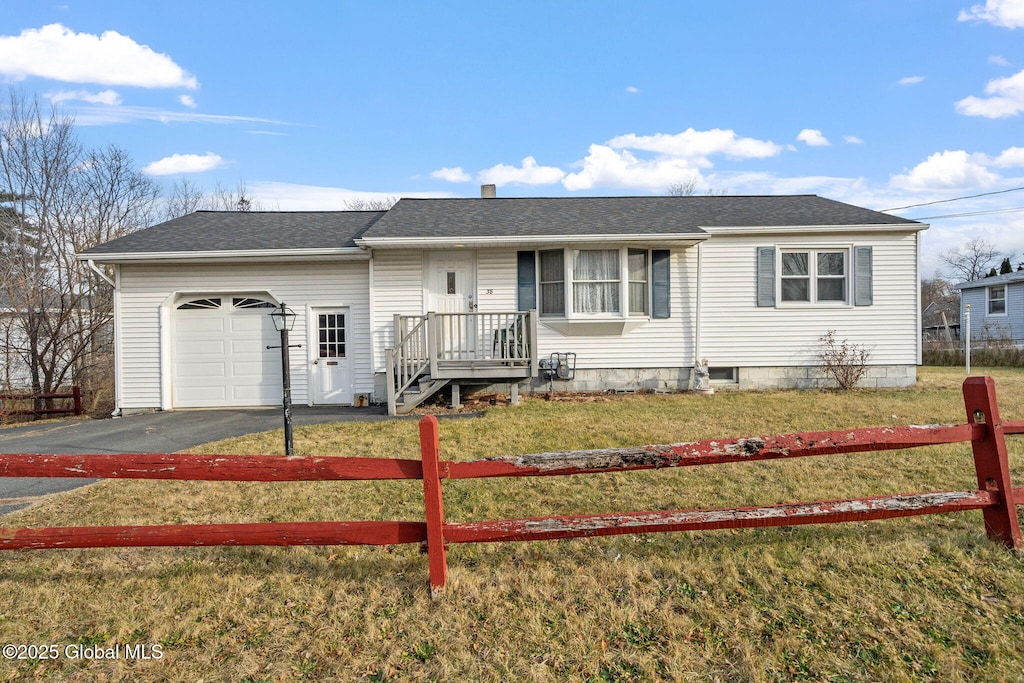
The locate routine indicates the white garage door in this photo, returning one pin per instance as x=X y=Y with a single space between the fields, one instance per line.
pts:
x=219 y=353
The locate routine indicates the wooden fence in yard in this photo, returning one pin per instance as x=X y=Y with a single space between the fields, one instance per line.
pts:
x=984 y=430
x=7 y=398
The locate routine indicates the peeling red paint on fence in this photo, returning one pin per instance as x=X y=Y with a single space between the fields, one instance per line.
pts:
x=984 y=431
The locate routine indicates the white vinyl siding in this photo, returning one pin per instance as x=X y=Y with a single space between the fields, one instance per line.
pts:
x=145 y=289
x=654 y=343
x=397 y=290
x=735 y=331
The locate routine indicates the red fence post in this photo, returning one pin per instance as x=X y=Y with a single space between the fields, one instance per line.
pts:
x=76 y=394
x=991 y=461
x=430 y=451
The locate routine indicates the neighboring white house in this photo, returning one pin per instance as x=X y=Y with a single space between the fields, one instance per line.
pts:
x=631 y=291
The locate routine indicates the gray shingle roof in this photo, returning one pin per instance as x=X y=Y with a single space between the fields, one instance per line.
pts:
x=1015 y=276
x=556 y=216
x=212 y=231
x=245 y=230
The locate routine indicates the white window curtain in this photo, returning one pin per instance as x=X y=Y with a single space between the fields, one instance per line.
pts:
x=596 y=281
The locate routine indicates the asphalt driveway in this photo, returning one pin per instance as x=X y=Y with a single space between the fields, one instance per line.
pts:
x=164 y=432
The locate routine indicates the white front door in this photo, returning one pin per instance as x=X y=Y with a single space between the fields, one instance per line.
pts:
x=332 y=367
x=452 y=289
x=452 y=282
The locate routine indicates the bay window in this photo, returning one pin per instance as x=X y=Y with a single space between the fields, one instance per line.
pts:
x=595 y=283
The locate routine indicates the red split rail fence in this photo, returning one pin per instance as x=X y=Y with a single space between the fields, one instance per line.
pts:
x=984 y=430
x=74 y=408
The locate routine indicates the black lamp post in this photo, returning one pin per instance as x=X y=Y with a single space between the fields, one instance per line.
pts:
x=284 y=320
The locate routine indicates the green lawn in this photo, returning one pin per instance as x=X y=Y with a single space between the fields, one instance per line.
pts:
x=906 y=600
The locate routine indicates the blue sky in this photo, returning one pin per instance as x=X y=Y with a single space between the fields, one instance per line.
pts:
x=873 y=102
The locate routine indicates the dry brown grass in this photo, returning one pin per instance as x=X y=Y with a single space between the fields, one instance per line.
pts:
x=910 y=600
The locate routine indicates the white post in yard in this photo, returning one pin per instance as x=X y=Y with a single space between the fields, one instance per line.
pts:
x=967 y=336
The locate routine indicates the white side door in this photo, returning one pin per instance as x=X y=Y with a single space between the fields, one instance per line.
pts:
x=332 y=364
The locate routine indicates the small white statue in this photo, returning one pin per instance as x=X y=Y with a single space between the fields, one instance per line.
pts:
x=701 y=378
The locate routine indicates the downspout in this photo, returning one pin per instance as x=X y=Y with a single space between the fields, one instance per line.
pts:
x=116 y=284
x=94 y=268
x=118 y=374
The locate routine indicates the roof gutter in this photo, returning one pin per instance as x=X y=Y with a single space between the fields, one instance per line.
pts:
x=440 y=242
x=799 y=229
x=339 y=254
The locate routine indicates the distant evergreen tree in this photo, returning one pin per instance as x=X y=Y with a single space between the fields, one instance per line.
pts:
x=992 y=273
x=1005 y=267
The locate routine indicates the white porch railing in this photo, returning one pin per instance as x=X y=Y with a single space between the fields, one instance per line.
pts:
x=453 y=346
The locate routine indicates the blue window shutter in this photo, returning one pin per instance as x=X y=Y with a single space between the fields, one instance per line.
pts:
x=863 y=292
x=661 y=283
x=766 y=276
x=526 y=281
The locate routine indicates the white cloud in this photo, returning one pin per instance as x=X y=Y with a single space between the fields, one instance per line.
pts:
x=107 y=97
x=698 y=145
x=998 y=61
x=632 y=89
x=184 y=163
x=188 y=101
x=266 y=132
x=1005 y=13
x=1006 y=98
x=606 y=167
x=97 y=116
x=813 y=138
x=452 y=175
x=528 y=174
x=948 y=170
x=294 y=197
x=1010 y=158
x=852 y=140
x=58 y=53
x=910 y=80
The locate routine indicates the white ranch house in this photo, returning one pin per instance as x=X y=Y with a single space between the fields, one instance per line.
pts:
x=394 y=305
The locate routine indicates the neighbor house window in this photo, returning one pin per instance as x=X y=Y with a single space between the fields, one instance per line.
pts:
x=814 y=276
x=638 y=279
x=596 y=282
x=997 y=300
x=552 y=282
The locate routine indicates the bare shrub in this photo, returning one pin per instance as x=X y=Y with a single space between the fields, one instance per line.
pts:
x=842 y=360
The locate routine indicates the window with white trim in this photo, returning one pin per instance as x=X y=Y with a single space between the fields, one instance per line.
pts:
x=997 y=300
x=639 y=295
x=552 y=282
x=595 y=283
x=814 y=276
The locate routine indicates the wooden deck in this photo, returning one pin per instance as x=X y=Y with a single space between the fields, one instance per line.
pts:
x=437 y=349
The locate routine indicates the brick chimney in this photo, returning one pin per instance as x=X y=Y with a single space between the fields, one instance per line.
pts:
x=488 y=191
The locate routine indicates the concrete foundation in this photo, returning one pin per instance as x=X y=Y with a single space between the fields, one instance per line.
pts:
x=680 y=379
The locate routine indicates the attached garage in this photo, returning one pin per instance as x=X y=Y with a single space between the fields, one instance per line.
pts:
x=219 y=354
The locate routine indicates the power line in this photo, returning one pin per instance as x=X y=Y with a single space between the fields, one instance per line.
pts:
x=954 y=199
x=971 y=213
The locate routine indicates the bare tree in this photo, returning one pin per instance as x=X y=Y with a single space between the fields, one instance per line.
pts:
x=688 y=188
x=685 y=188
x=360 y=204
x=187 y=197
x=972 y=261
x=60 y=198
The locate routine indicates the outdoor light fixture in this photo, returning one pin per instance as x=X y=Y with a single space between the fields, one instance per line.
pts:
x=284 y=321
x=284 y=318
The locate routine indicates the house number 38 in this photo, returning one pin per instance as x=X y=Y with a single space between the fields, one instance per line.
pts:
x=488 y=291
